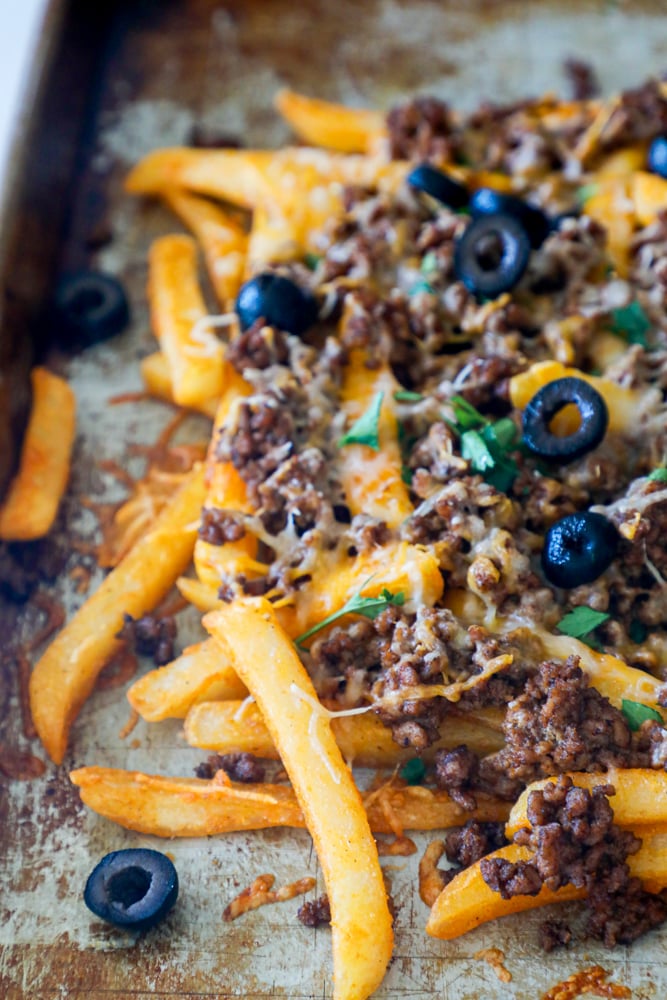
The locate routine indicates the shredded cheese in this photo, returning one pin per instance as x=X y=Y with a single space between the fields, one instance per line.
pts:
x=204 y=343
x=320 y=712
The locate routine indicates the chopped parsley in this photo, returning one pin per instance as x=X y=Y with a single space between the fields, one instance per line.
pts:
x=406 y=396
x=366 y=430
x=635 y=713
x=637 y=631
x=311 y=260
x=658 y=475
x=631 y=323
x=422 y=286
x=585 y=192
x=581 y=623
x=413 y=771
x=368 y=607
x=486 y=444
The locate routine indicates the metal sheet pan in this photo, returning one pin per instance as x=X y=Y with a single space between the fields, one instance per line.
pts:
x=126 y=78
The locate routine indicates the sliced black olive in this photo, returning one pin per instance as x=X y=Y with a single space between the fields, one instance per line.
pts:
x=486 y=201
x=491 y=255
x=89 y=307
x=657 y=156
x=549 y=401
x=578 y=549
x=279 y=301
x=134 y=888
x=438 y=185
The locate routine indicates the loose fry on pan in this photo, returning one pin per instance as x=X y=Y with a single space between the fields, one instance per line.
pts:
x=191 y=807
x=34 y=495
x=372 y=477
x=468 y=902
x=194 y=355
x=272 y=238
x=223 y=241
x=157 y=379
x=363 y=740
x=198 y=674
x=234 y=175
x=640 y=798
x=321 y=123
x=65 y=675
x=360 y=920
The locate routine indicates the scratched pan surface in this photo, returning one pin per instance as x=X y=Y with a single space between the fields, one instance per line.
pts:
x=128 y=78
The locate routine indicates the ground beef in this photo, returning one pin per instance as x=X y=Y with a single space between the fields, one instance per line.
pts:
x=582 y=79
x=219 y=526
x=23 y=565
x=315 y=913
x=486 y=384
x=641 y=113
x=456 y=772
x=238 y=766
x=296 y=493
x=151 y=636
x=554 y=934
x=16 y=582
x=260 y=346
x=620 y=910
x=471 y=842
x=422 y=129
x=261 y=440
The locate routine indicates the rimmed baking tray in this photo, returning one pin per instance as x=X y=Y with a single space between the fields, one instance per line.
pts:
x=121 y=79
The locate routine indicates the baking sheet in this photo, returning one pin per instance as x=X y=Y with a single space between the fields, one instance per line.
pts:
x=146 y=73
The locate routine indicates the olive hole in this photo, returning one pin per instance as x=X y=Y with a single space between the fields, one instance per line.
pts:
x=129 y=886
x=87 y=300
x=489 y=251
x=566 y=421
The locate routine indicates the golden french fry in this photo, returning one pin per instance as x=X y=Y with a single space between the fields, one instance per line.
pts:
x=65 y=675
x=372 y=478
x=649 y=193
x=191 y=807
x=157 y=379
x=234 y=175
x=273 y=238
x=612 y=206
x=361 y=924
x=229 y=727
x=468 y=902
x=195 y=357
x=199 y=674
x=223 y=241
x=321 y=123
x=34 y=495
x=640 y=799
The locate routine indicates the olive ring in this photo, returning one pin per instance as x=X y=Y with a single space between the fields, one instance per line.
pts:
x=438 y=185
x=550 y=400
x=492 y=254
x=578 y=549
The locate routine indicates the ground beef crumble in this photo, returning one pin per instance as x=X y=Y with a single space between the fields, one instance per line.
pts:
x=151 y=636
x=315 y=913
x=238 y=766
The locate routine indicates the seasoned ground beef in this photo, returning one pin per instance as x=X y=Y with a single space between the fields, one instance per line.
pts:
x=315 y=913
x=472 y=841
x=456 y=772
x=582 y=78
x=238 y=766
x=151 y=636
x=422 y=129
x=219 y=526
x=258 y=347
x=554 y=934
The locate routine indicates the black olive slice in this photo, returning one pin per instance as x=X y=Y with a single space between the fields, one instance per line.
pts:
x=657 y=156
x=90 y=307
x=134 y=888
x=549 y=401
x=279 y=301
x=578 y=549
x=486 y=201
x=438 y=185
x=491 y=255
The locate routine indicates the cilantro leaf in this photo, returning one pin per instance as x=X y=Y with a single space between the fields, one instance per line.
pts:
x=658 y=475
x=475 y=449
x=406 y=396
x=581 y=622
x=406 y=475
x=366 y=429
x=585 y=192
x=421 y=286
x=413 y=771
x=311 y=260
x=368 y=607
x=467 y=417
x=632 y=323
x=429 y=264
x=635 y=713
x=637 y=631
x=486 y=445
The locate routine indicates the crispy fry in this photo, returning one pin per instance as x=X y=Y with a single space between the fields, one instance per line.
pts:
x=431 y=879
x=612 y=206
x=360 y=920
x=198 y=674
x=363 y=739
x=322 y=123
x=157 y=379
x=65 y=675
x=192 y=807
x=34 y=495
x=649 y=193
x=640 y=799
x=467 y=902
x=195 y=357
x=222 y=239
x=261 y=892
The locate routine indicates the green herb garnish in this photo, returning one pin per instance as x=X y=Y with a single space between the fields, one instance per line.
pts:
x=637 y=631
x=429 y=264
x=631 y=323
x=421 y=286
x=406 y=475
x=311 y=260
x=413 y=771
x=467 y=417
x=368 y=607
x=585 y=192
x=406 y=396
x=658 y=475
x=485 y=444
x=581 y=623
x=366 y=429
x=635 y=713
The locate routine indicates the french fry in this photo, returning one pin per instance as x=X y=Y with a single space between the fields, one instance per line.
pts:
x=66 y=673
x=613 y=207
x=361 y=924
x=196 y=363
x=640 y=798
x=192 y=807
x=649 y=193
x=273 y=238
x=157 y=379
x=223 y=241
x=199 y=674
x=226 y=727
x=322 y=123
x=372 y=478
x=233 y=175
x=468 y=902
x=34 y=495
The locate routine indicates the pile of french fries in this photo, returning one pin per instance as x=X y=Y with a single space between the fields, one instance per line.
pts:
x=244 y=688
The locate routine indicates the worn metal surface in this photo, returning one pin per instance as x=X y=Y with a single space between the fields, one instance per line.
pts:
x=133 y=77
